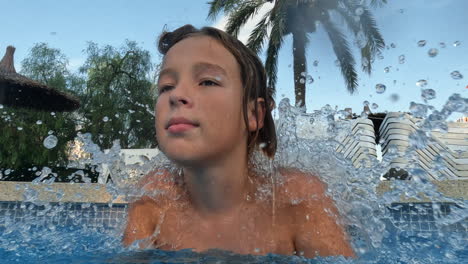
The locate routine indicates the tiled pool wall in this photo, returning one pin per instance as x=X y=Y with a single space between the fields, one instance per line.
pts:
x=63 y=214
x=412 y=217
x=422 y=217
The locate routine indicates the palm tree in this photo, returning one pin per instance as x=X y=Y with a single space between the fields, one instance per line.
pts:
x=300 y=18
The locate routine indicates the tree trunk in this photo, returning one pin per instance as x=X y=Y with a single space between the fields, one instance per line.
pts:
x=300 y=67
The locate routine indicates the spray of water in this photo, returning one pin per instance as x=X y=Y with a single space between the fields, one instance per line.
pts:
x=307 y=141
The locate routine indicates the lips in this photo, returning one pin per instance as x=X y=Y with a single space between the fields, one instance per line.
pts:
x=180 y=124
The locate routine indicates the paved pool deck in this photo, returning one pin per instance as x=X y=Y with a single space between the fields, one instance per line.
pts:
x=101 y=193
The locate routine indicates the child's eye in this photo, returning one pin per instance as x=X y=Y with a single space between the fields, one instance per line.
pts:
x=165 y=88
x=208 y=83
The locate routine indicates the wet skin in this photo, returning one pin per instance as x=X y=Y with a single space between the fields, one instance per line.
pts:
x=217 y=202
x=304 y=221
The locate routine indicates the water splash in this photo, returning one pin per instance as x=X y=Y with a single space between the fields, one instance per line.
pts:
x=50 y=141
x=456 y=75
x=433 y=52
x=421 y=43
x=421 y=83
x=380 y=88
x=308 y=141
x=401 y=59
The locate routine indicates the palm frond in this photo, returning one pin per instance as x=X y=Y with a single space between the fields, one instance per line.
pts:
x=217 y=6
x=274 y=45
x=349 y=20
x=368 y=26
x=343 y=53
x=378 y=3
x=366 y=59
x=259 y=34
x=238 y=18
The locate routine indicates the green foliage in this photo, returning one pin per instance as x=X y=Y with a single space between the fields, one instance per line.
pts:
x=113 y=83
x=23 y=130
x=299 y=18
x=118 y=101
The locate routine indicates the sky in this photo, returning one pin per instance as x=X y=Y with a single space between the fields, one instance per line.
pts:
x=69 y=25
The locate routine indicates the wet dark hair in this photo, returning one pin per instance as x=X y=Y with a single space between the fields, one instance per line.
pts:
x=253 y=78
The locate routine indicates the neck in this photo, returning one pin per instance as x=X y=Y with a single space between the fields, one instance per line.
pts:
x=219 y=187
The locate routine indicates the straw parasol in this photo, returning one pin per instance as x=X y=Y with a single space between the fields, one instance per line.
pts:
x=17 y=90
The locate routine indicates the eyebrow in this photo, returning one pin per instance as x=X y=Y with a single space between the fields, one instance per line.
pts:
x=204 y=66
x=197 y=69
x=168 y=71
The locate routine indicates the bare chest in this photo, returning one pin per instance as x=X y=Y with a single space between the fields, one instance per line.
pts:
x=252 y=231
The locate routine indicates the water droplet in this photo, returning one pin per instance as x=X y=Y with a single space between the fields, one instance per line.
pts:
x=428 y=94
x=374 y=106
x=393 y=45
x=289 y=66
x=359 y=11
x=418 y=110
x=105 y=119
x=402 y=11
x=304 y=74
x=309 y=79
x=337 y=63
x=456 y=75
x=117 y=115
x=442 y=45
x=386 y=69
x=401 y=59
x=421 y=43
x=394 y=97
x=50 y=141
x=456 y=43
x=39 y=122
x=433 y=52
x=7 y=171
x=365 y=103
x=302 y=80
x=19 y=128
x=380 y=88
x=421 y=83
x=315 y=63
x=50 y=132
x=52 y=113
x=1 y=106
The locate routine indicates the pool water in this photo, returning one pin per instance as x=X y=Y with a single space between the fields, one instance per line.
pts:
x=91 y=233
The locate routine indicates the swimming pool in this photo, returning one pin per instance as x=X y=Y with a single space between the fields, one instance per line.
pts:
x=91 y=232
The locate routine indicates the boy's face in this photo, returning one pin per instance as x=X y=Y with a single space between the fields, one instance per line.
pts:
x=199 y=109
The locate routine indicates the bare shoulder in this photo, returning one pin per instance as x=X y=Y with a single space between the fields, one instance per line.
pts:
x=144 y=213
x=298 y=186
x=316 y=228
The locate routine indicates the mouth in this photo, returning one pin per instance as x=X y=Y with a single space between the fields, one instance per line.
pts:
x=180 y=124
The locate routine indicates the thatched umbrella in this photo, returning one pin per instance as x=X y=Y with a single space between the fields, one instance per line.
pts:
x=17 y=90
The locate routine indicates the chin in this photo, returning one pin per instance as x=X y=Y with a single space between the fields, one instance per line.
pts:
x=181 y=155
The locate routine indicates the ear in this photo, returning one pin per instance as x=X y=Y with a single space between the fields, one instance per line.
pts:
x=256 y=118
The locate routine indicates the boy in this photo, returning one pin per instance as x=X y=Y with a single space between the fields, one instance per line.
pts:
x=212 y=112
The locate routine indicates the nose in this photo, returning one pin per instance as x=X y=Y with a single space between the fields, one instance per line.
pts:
x=178 y=100
x=179 y=97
